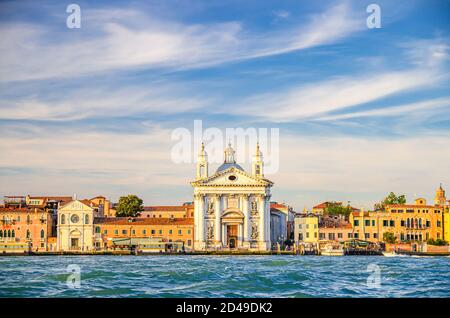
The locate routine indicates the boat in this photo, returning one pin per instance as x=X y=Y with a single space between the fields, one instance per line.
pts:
x=330 y=250
x=390 y=254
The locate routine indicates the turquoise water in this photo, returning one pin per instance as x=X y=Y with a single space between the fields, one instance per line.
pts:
x=225 y=276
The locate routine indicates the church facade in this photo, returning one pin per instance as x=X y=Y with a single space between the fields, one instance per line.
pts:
x=231 y=206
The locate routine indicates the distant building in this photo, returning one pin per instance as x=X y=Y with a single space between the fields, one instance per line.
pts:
x=321 y=208
x=76 y=226
x=110 y=232
x=281 y=222
x=32 y=226
x=416 y=222
x=306 y=228
x=177 y=211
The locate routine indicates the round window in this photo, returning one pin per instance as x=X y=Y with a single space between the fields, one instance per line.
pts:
x=74 y=218
x=232 y=178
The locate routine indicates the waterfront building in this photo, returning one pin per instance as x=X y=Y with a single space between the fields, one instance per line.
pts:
x=105 y=207
x=321 y=207
x=178 y=211
x=110 y=232
x=306 y=228
x=75 y=231
x=339 y=233
x=416 y=222
x=281 y=223
x=26 y=226
x=231 y=206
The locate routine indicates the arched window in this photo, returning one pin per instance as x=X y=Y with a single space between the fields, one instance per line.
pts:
x=1 y=233
x=63 y=219
x=5 y=234
x=42 y=234
x=13 y=233
x=9 y=233
x=86 y=219
x=28 y=218
x=28 y=234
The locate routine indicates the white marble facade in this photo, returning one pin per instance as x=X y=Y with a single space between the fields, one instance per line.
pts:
x=232 y=207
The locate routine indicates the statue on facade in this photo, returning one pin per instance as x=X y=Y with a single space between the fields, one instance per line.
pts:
x=211 y=207
x=210 y=233
x=254 y=208
x=255 y=231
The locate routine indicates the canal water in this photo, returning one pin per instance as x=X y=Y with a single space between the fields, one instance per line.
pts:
x=224 y=276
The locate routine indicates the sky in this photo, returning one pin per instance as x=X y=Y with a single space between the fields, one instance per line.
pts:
x=91 y=110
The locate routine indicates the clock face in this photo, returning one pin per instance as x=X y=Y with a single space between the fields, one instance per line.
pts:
x=74 y=218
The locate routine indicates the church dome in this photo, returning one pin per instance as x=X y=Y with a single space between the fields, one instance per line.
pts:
x=225 y=166
x=229 y=160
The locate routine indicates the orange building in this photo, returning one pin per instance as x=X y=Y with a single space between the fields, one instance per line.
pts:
x=177 y=211
x=165 y=229
x=26 y=225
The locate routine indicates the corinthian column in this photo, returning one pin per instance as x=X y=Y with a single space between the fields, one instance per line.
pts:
x=218 y=213
x=245 y=210
x=201 y=220
x=262 y=218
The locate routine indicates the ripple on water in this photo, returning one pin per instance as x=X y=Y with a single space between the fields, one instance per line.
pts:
x=224 y=276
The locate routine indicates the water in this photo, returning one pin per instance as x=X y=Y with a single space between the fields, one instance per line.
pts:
x=224 y=276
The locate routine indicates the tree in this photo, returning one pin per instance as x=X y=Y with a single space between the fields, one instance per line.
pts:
x=336 y=208
x=389 y=237
x=390 y=199
x=130 y=205
x=437 y=242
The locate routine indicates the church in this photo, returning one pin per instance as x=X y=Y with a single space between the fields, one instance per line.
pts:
x=231 y=206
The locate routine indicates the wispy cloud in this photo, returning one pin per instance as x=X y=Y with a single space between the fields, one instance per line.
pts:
x=29 y=51
x=315 y=99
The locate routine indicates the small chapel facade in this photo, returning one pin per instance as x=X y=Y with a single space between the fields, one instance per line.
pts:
x=231 y=206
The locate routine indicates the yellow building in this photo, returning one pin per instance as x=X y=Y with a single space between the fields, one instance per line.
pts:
x=408 y=222
x=306 y=228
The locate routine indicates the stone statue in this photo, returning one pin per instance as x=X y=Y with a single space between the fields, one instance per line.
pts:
x=211 y=207
x=254 y=208
x=255 y=231
x=210 y=234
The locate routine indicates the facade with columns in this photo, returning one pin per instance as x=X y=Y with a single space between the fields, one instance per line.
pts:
x=232 y=207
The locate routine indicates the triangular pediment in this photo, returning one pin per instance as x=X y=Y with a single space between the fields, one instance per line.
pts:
x=75 y=205
x=232 y=177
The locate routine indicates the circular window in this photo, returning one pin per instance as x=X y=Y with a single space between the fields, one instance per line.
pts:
x=74 y=218
x=232 y=178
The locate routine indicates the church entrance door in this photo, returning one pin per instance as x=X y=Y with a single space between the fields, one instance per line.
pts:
x=232 y=232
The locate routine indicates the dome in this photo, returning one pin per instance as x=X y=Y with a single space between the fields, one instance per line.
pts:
x=226 y=165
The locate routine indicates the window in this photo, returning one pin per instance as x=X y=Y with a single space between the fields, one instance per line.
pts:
x=299 y=226
x=153 y=232
x=356 y=235
x=307 y=226
x=322 y=236
x=367 y=222
x=189 y=242
x=350 y=235
x=356 y=222
x=28 y=234
x=105 y=232
x=331 y=236
x=367 y=235
x=116 y=232
x=375 y=235
x=391 y=223
x=86 y=219
x=133 y=232
x=315 y=234
x=307 y=234
x=160 y=231
x=144 y=232
x=340 y=235
x=402 y=222
x=42 y=234
x=189 y=231
x=385 y=222
x=63 y=219
x=13 y=233
x=439 y=223
x=179 y=232
x=300 y=237
x=124 y=231
x=170 y=231
x=373 y=222
x=97 y=229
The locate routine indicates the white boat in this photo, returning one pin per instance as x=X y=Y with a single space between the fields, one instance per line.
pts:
x=330 y=250
x=390 y=254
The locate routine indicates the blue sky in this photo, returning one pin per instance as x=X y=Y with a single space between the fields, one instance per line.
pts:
x=361 y=111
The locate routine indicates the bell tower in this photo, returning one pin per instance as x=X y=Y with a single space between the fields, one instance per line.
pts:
x=440 y=196
x=202 y=164
x=258 y=164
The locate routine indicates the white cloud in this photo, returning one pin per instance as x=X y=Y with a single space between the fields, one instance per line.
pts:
x=36 y=52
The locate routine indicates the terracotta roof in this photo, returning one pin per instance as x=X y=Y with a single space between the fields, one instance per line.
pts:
x=410 y=206
x=144 y=221
x=278 y=206
x=89 y=203
x=12 y=209
x=165 y=208
x=56 y=198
